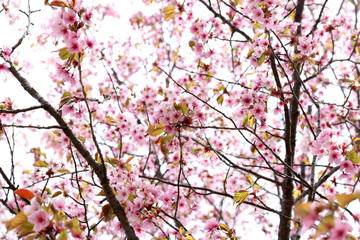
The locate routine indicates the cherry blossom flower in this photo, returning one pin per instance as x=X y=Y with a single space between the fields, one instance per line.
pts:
x=304 y=45
x=349 y=167
x=69 y=17
x=258 y=111
x=340 y=230
x=33 y=207
x=334 y=157
x=89 y=43
x=199 y=48
x=87 y=17
x=59 y=204
x=253 y=62
x=211 y=225
x=40 y=219
x=73 y=45
x=258 y=14
x=4 y=67
x=6 y=52
x=246 y=99
x=263 y=42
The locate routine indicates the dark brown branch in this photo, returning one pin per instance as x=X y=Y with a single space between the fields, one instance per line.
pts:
x=30 y=126
x=105 y=183
x=232 y=26
x=15 y=111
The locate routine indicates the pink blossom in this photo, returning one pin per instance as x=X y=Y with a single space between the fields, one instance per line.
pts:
x=40 y=219
x=349 y=167
x=199 y=48
x=59 y=204
x=263 y=42
x=68 y=109
x=73 y=45
x=258 y=111
x=87 y=17
x=89 y=43
x=304 y=45
x=4 y=67
x=334 y=157
x=33 y=207
x=246 y=99
x=6 y=52
x=340 y=230
x=258 y=14
x=78 y=235
x=253 y=62
x=211 y=224
x=194 y=29
x=69 y=17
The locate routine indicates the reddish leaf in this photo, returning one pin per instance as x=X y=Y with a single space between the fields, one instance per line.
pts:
x=57 y=3
x=106 y=212
x=24 y=193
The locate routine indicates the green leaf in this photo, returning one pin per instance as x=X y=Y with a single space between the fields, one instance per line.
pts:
x=64 y=54
x=155 y=130
x=240 y=197
x=62 y=236
x=345 y=199
x=224 y=227
x=257 y=25
x=57 y=193
x=163 y=142
x=169 y=12
x=220 y=99
x=18 y=220
x=65 y=98
x=249 y=120
x=353 y=157
x=110 y=120
x=40 y=164
x=261 y=59
x=25 y=229
x=250 y=180
x=183 y=108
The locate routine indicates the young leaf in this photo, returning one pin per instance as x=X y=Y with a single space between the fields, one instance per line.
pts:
x=353 y=157
x=24 y=193
x=224 y=227
x=40 y=164
x=250 y=180
x=57 y=193
x=261 y=59
x=60 y=3
x=220 y=99
x=64 y=54
x=240 y=197
x=296 y=193
x=18 y=220
x=169 y=12
x=345 y=199
x=110 y=120
x=182 y=107
x=155 y=130
x=63 y=235
x=106 y=212
x=65 y=98
x=25 y=229
x=129 y=159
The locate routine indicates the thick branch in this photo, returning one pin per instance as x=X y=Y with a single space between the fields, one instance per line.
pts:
x=287 y=201
x=114 y=203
